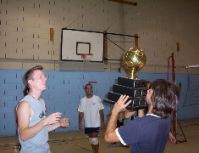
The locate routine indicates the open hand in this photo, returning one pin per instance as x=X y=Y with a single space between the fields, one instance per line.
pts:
x=121 y=104
x=64 y=122
x=53 y=118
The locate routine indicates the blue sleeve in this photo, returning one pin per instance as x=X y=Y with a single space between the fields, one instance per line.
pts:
x=130 y=132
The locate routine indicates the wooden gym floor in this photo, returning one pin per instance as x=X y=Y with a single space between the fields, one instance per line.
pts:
x=77 y=142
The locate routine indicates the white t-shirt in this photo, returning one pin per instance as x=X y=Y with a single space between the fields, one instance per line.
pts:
x=91 y=107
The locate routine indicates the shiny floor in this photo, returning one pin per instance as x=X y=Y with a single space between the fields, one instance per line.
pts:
x=77 y=142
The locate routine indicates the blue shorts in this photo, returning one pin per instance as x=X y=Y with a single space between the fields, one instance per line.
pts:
x=91 y=130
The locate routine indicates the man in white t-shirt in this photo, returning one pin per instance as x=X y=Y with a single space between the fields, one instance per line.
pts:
x=91 y=110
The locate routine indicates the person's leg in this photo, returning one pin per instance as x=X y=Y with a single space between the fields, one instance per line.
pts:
x=93 y=138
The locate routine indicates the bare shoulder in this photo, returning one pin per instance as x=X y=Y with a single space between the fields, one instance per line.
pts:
x=23 y=112
x=22 y=106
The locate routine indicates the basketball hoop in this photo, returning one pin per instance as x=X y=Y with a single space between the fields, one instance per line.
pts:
x=86 y=57
x=83 y=56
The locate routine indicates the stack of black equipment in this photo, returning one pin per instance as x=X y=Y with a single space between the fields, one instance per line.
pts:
x=135 y=89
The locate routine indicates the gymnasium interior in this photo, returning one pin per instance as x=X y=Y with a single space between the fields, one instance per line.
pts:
x=81 y=41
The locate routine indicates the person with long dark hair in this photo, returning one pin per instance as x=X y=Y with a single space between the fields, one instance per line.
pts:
x=150 y=133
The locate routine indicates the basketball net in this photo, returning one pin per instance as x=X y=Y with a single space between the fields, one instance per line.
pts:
x=86 y=58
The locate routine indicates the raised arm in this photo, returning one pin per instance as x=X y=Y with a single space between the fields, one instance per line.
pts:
x=110 y=133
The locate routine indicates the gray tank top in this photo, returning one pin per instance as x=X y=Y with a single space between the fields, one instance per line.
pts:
x=38 y=143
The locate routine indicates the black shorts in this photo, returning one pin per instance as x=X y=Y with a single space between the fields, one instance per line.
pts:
x=91 y=130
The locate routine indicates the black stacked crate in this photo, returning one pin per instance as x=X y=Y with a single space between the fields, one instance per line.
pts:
x=135 y=89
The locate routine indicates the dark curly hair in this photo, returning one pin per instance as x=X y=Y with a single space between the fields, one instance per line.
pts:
x=27 y=76
x=164 y=98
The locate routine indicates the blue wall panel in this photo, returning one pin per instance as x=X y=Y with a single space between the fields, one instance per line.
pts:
x=2 y=119
x=64 y=90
